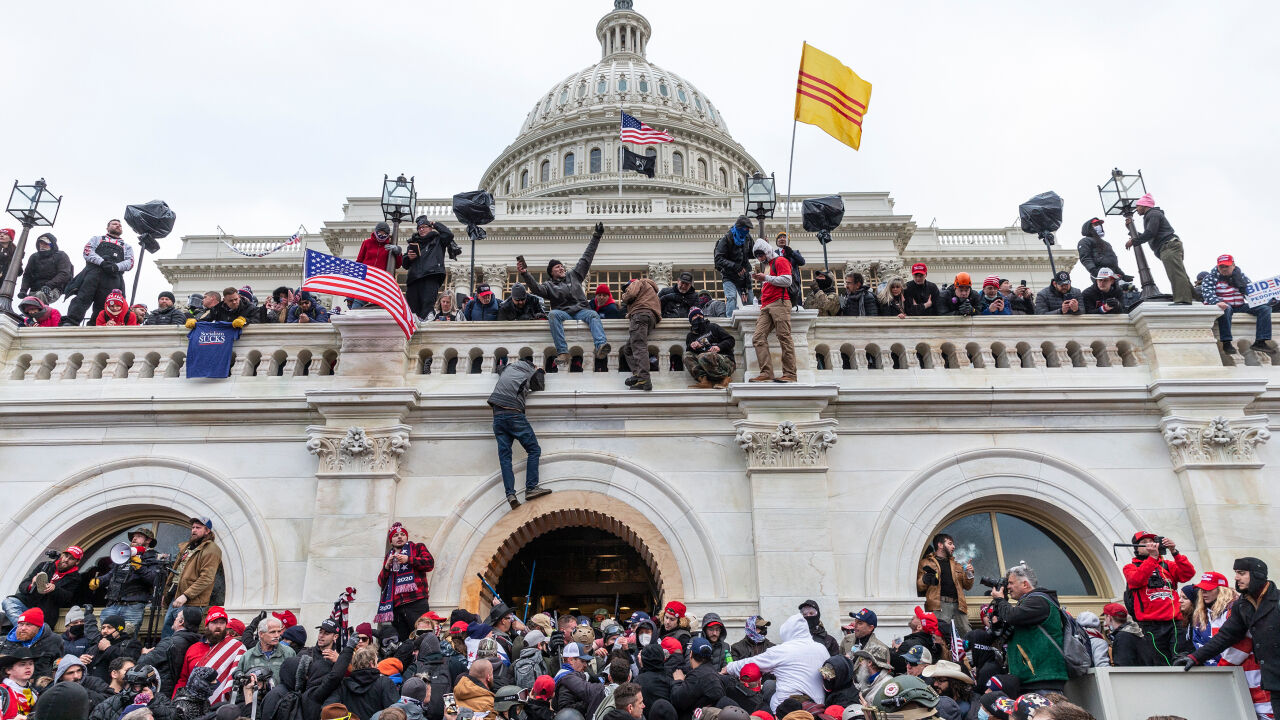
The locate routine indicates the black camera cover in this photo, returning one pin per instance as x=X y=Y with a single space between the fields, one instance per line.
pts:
x=474 y=207
x=152 y=221
x=1042 y=213
x=824 y=213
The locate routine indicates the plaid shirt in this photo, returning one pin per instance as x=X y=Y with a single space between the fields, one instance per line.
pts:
x=421 y=562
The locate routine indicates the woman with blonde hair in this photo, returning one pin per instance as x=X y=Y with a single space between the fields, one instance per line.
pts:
x=891 y=299
x=1211 y=608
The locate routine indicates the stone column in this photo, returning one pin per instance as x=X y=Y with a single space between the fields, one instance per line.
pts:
x=786 y=441
x=495 y=275
x=358 y=448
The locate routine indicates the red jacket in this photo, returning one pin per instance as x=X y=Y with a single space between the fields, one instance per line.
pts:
x=421 y=562
x=374 y=252
x=770 y=293
x=1157 y=603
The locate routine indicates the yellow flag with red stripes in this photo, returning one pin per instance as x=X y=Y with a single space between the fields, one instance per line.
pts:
x=831 y=96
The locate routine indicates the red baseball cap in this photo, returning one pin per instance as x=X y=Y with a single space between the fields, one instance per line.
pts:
x=750 y=672
x=919 y=268
x=431 y=615
x=236 y=626
x=1211 y=580
x=544 y=687
x=75 y=552
x=1143 y=535
x=215 y=613
x=672 y=646
x=675 y=607
x=1226 y=260
x=458 y=628
x=287 y=617
x=1115 y=610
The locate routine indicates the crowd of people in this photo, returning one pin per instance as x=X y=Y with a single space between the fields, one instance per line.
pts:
x=747 y=277
x=409 y=662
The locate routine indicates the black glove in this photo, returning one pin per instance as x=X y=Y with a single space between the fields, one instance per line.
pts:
x=556 y=642
x=352 y=641
x=599 y=231
x=930 y=577
x=1186 y=662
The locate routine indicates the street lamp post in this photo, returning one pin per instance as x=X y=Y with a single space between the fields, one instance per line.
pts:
x=761 y=197
x=398 y=203
x=31 y=205
x=1119 y=196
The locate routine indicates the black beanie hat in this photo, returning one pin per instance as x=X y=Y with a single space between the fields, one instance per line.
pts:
x=1255 y=567
x=191 y=618
x=63 y=701
x=551 y=264
x=166 y=293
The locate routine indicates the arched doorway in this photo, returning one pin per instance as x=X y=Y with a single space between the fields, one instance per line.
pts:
x=576 y=570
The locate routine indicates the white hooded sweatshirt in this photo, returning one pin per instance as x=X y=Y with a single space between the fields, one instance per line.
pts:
x=796 y=662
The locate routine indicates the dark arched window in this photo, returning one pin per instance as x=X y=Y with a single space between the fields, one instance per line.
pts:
x=724 y=178
x=524 y=179
x=702 y=169
x=677 y=164
x=995 y=541
x=602 y=86
x=544 y=173
x=506 y=188
x=650 y=152
x=568 y=164
x=594 y=160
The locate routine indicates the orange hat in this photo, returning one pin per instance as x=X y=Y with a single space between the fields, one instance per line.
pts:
x=963 y=279
x=391 y=666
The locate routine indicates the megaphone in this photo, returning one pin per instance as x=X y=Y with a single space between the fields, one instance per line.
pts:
x=122 y=552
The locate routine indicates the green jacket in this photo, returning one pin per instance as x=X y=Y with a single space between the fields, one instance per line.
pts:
x=254 y=658
x=1032 y=656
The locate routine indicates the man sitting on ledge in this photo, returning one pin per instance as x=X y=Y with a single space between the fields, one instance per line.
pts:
x=568 y=300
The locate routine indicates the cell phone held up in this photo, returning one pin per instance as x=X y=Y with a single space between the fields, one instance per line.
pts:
x=520 y=259
x=450 y=705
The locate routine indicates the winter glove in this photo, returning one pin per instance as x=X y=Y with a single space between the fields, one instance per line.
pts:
x=930 y=577
x=1187 y=662
x=454 y=252
x=93 y=584
x=238 y=323
x=352 y=642
x=556 y=642
x=135 y=562
x=599 y=233
x=190 y=324
x=395 y=250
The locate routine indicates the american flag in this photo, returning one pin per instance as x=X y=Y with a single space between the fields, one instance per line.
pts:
x=957 y=645
x=634 y=131
x=223 y=658
x=335 y=276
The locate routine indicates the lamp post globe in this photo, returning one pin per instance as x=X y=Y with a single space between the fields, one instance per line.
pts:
x=1120 y=196
x=761 y=198
x=31 y=205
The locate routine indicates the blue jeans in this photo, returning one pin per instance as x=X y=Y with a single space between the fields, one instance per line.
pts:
x=13 y=609
x=131 y=612
x=731 y=293
x=557 y=318
x=509 y=426
x=1262 y=327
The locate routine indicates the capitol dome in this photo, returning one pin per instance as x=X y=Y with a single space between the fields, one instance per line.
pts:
x=569 y=145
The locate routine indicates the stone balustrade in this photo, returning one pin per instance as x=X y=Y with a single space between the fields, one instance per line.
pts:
x=842 y=351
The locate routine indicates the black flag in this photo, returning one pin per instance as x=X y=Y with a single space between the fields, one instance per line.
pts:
x=642 y=164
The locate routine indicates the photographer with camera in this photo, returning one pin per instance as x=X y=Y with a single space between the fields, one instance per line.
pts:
x=1103 y=296
x=131 y=585
x=1035 y=630
x=823 y=296
x=943 y=580
x=993 y=301
x=143 y=687
x=1152 y=592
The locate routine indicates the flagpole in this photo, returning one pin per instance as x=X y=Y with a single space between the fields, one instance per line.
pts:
x=790 y=165
x=621 y=148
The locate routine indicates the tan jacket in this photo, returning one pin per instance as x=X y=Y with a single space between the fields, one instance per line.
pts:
x=642 y=295
x=472 y=696
x=826 y=305
x=196 y=580
x=933 y=593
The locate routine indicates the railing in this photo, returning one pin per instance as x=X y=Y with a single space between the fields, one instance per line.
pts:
x=699 y=206
x=619 y=206
x=971 y=237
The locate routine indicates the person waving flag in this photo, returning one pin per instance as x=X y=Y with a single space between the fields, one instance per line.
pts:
x=335 y=276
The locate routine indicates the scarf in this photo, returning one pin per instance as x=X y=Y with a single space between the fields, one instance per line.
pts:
x=341 y=612
x=740 y=236
x=400 y=581
x=26 y=698
x=752 y=634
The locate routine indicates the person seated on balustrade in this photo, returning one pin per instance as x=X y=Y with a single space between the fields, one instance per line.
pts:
x=858 y=300
x=680 y=298
x=482 y=307
x=709 y=353
x=604 y=304
x=822 y=294
x=959 y=299
x=233 y=309
x=307 y=310
x=563 y=291
x=992 y=301
x=444 y=311
x=1059 y=297
x=1104 y=295
x=1224 y=286
x=892 y=299
x=521 y=305
x=116 y=311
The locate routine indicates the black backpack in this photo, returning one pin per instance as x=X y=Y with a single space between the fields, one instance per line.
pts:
x=1076 y=648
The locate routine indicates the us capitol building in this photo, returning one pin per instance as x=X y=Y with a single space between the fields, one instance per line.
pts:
x=1043 y=439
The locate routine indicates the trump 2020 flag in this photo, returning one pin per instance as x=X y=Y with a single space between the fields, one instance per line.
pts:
x=209 y=349
x=640 y=163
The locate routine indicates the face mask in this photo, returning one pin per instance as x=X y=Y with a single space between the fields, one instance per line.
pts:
x=983 y=714
x=644 y=639
x=1101 y=233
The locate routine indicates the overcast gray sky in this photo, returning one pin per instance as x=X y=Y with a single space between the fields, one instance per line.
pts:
x=260 y=116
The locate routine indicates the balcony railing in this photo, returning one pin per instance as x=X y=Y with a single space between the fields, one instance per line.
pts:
x=854 y=352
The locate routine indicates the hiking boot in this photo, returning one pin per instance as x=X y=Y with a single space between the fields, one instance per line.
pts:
x=643 y=385
x=1229 y=348
x=1261 y=346
x=761 y=378
x=535 y=493
x=722 y=384
x=703 y=384
x=513 y=501
x=562 y=360
x=632 y=380
x=786 y=379
x=602 y=352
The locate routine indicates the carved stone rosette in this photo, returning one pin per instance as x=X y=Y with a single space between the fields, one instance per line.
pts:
x=660 y=274
x=786 y=447
x=1218 y=442
x=358 y=451
x=495 y=276
x=857 y=266
x=887 y=270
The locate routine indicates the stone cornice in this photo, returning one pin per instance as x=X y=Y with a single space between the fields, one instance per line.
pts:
x=1216 y=443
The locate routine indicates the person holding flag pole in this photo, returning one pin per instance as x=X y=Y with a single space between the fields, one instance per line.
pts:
x=830 y=96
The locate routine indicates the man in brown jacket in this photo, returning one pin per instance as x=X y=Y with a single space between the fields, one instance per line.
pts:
x=943 y=582
x=194 y=569
x=644 y=311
